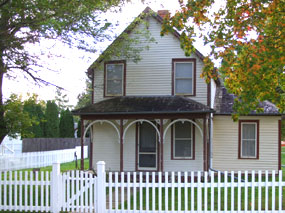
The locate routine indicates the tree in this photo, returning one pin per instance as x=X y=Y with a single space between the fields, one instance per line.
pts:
x=34 y=108
x=85 y=97
x=29 y=22
x=18 y=120
x=52 y=120
x=66 y=124
x=248 y=37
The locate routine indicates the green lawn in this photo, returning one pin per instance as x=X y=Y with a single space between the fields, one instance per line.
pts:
x=63 y=168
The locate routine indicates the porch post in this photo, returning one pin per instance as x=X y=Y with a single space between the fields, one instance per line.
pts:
x=161 y=145
x=121 y=145
x=82 y=144
x=205 y=144
x=91 y=149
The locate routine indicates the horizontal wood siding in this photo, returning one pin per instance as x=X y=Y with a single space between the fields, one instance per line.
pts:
x=225 y=144
x=106 y=146
x=183 y=165
x=152 y=75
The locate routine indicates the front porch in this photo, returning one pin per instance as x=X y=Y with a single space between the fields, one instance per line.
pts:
x=165 y=134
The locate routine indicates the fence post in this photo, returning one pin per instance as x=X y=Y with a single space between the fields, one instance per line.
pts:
x=56 y=189
x=101 y=189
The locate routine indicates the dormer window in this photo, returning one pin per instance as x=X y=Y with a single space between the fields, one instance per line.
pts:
x=184 y=74
x=114 y=78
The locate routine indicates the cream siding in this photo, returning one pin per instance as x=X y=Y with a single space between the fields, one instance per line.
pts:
x=225 y=144
x=106 y=148
x=183 y=165
x=153 y=74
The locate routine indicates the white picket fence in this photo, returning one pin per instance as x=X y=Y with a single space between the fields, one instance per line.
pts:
x=39 y=159
x=142 y=192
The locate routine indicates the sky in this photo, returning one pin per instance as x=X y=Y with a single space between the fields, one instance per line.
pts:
x=70 y=65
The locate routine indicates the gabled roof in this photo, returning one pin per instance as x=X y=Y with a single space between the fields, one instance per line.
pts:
x=144 y=105
x=146 y=12
x=224 y=102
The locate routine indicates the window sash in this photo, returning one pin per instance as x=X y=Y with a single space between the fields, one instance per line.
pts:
x=176 y=140
x=113 y=80
x=246 y=146
x=189 y=90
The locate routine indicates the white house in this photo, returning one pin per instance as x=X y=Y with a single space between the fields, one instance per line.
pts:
x=159 y=115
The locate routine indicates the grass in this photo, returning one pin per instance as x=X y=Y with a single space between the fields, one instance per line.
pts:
x=64 y=167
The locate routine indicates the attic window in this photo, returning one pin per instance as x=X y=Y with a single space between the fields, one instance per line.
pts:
x=184 y=74
x=114 y=72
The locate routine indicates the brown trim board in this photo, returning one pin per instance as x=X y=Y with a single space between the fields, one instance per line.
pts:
x=124 y=77
x=257 y=138
x=174 y=60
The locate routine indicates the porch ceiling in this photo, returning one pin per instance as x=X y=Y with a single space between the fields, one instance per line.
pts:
x=135 y=105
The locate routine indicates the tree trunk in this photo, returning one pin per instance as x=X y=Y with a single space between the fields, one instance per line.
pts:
x=3 y=128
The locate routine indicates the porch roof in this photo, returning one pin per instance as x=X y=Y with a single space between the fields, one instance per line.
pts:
x=144 y=105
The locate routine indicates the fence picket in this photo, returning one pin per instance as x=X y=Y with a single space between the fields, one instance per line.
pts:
x=226 y=191
x=239 y=192
x=185 y=192
x=116 y=191
x=30 y=191
x=147 y=190
x=135 y=190
x=179 y=191
x=266 y=190
x=153 y=190
x=273 y=191
x=192 y=192
x=110 y=191
x=232 y=191
x=122 y=190
x=280 y=191
x=245 y=190
x=205 y=191
x=259 y=191
x=166 y=191
x=159 y=192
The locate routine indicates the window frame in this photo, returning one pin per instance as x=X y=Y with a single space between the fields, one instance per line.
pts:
x=173 y=157
x=123 y=62
x=184 y=60
x=241 y=122
x=157 y=153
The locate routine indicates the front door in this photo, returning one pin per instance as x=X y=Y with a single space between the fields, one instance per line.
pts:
x=147 y=147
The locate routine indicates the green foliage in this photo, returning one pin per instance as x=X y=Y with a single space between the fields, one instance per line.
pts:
x=248 y=37
x=52 y=120
x=79 y=129
x=17 y=120
x=29 y=22
x=34 y=108
x=66 y=124
x=85 y=98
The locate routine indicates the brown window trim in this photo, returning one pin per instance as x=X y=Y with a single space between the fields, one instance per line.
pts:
x=172 y=144
x=124 y=77
x=257 y=139
x=174 y=60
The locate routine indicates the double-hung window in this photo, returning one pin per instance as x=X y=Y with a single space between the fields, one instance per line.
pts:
x=248 y=139
x=114 y=78
x=184 y=77
x=183 y=141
